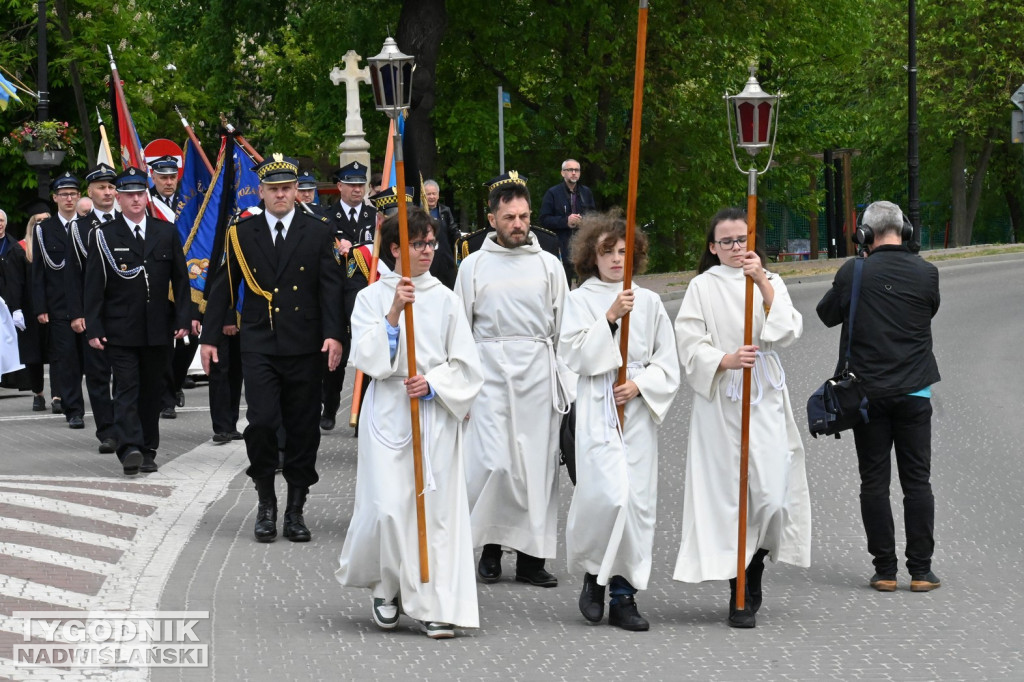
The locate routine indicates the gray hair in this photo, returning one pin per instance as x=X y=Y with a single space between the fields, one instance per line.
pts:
x=883 y=217
x=3 y=213
x=567 y=161
x=431 y=183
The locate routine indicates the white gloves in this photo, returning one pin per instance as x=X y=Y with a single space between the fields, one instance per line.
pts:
x=19 y=320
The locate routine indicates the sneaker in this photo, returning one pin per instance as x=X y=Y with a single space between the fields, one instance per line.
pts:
x=56 y=406
x=385 y=613
x=623 y=613
x=437 y=630
x=884 y=583
x=924 y=583
x=168 y=413
x=38 y=404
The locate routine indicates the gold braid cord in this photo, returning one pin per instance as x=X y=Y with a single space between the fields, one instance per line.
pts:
x=361 y=264
x=250 y=281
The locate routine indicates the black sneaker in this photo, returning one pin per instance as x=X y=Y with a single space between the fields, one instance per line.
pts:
x=883 y=583
x=623 y=614
x=38 y=404
x=925 y=583
x=56 y=406
x=168 y=413
x=538 y=576
x=592 y=599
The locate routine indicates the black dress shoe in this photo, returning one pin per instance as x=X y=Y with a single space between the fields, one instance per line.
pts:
x=107 y=446
x=294 y=527
x=179 y=398
x=489 y=567
x=266 y=512
x=740 y=618
x=327 y=423
x=168 y=413
x=76 y=423
x=148 y=465
x=131 y=461
x=537 y=576
x=623 y=614
x=188 y=382
x=221 y=438
x=235 y=435
x=592 y=599
x=56 y=406
x=38 y=404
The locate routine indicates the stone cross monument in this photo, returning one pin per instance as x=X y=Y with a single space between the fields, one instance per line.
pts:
x=355 y=147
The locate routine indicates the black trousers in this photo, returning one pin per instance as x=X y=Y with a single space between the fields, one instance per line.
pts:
x=66 y=367
x=281 y=390
x=178 y=362
x=564 y=237
x=226 y=385
x=97 y=383
x=138 y=384
x=903 y=422
x=330 y=392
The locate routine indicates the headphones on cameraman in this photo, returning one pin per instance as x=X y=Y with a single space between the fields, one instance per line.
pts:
x=864 y=235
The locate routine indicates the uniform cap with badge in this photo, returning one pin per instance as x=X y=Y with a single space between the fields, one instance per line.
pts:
x=386 y=201
x=509 y=178
x=165 y=165
x=277 y=169
x=101 y=173
x=132 y=179
x=351 y=174
x=65 y=180
x=307 y=181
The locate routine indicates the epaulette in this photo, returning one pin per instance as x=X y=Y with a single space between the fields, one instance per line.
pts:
x=468 y=243
x=311 y=213
x=547 y=239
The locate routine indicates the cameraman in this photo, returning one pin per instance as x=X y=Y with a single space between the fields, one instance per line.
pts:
x=892 y=354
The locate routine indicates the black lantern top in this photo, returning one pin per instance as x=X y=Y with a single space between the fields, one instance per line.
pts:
x=391 y=77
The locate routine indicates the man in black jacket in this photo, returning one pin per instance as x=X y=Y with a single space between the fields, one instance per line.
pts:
x=291 y=314
x=563 y=207
x=134 y=261
x=443 y=266
x=892 y=354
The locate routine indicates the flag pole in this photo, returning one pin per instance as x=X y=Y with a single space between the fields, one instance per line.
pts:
x=103 y=137
x=634 y=172
x=241 y=140
x=136 y=151
x=195 y=140
x=357 y=394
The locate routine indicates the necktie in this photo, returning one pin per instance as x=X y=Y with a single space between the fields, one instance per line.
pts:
x=138 y=236
x=572 y=201
x=107 y=217
x=352 y=214
x=279 y=239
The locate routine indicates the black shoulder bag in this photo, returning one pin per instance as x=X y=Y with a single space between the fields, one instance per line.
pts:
x=841 y=402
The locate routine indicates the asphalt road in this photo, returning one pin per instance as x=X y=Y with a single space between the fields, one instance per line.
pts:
x=276 y=612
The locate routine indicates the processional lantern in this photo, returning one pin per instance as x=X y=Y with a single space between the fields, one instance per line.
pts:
x=391 y=78
x=751 y=116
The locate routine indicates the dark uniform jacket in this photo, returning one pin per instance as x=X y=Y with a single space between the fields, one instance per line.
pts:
x=49 y=271
x=81 y=233
x=304 y=282
x=892 y=333
x=362 y=230
x=137 y=311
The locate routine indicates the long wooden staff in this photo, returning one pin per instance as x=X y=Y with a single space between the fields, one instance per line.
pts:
x=195 y=140
x=634 y=172
x=357 y=394
x=410 y=346
x=255 y=155
x=748 y=338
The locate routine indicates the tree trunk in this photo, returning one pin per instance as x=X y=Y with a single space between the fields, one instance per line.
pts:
x=977 y=182
x=960 y=234
x=76 y=84
x=421 y=27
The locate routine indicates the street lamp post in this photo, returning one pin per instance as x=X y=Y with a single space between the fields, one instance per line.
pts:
x=754 y=120
x=391 y=79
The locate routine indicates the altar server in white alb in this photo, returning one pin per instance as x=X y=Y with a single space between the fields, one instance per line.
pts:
x=709 y=332
x=609 y=535
x=381 y=550
x=513 y=293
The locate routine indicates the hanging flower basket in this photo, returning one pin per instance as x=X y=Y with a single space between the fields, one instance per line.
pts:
x=44 y=143
x=50 y=158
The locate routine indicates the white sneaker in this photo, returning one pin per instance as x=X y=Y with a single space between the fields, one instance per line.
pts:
x=385 y=614
x=437 y=630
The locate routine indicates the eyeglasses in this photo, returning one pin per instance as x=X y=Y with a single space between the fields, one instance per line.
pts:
x=728 y=243
x=571 y=170
x=67 y=195
x=420 y=245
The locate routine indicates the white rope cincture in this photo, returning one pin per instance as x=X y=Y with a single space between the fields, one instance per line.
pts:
x=767 y=369
x=46 y=257
x=426 y=421
x=559 y=394
x=123 y=274
x=611 y=411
